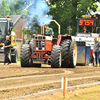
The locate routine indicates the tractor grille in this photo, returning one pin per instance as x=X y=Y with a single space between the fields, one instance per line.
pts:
x=40 y=45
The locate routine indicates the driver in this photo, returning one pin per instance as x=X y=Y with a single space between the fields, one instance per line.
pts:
x=49 y=30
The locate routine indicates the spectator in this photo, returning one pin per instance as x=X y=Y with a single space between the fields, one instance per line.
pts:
x=7 y=45
x=97 y=51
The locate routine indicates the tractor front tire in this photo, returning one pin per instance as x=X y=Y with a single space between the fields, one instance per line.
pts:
x=24 y=55
x=56 y=57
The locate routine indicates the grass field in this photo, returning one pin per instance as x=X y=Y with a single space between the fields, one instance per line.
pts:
x=92 y=93
x=18 y=62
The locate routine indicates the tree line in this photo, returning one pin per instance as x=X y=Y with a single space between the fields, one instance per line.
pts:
x=64 y=12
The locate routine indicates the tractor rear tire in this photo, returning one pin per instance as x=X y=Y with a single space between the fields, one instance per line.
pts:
x=56 y=57
x=24 y=55
x=65 y=53
x=14 y=56
x=73 y=54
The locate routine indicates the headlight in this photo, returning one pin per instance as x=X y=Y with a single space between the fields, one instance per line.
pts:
x=43 y=48
x=36 y=48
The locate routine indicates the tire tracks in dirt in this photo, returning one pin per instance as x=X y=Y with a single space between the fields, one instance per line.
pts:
x=42 y=82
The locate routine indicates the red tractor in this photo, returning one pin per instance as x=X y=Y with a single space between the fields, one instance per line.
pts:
x=42 y=49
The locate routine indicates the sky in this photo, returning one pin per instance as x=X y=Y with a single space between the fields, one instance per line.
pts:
x=98 y=4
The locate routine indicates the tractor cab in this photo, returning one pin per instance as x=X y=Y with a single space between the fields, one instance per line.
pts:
x=46 y=40
x=54 y=40
x=6 y=26
x=3 y=30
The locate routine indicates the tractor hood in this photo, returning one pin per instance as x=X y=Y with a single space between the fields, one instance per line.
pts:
x=41 y=37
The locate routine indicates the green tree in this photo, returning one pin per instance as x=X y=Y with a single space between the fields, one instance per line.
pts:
x=4 y=9
x=18 y=7
x=12 y=7
x=66 y=11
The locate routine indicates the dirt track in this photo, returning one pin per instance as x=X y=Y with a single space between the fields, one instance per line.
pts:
x=16 y=81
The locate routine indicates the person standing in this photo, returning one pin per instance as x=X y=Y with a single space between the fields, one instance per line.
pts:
x=7 y=45
x=96 y=51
